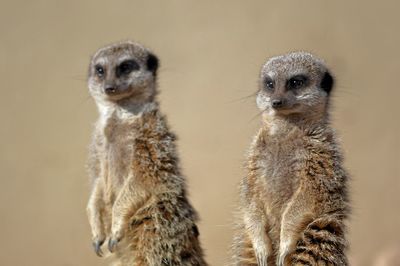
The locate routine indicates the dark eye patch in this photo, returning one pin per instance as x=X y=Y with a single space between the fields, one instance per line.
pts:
x=327 y=82
x=296 y=82
x=99 y=70
x=126 y=67
x=152 y=63
x=269 y=83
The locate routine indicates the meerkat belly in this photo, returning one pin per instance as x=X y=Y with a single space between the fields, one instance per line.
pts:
x=118 y=163
x=281 y=172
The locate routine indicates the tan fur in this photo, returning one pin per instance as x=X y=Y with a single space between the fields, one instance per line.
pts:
x=138 y=200
x=294 y=199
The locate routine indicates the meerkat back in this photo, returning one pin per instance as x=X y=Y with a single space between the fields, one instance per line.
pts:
x=138 y=202
x=294 y=197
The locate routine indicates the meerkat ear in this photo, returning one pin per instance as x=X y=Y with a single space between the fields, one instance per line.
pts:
x=327 y=82
x=152 y=63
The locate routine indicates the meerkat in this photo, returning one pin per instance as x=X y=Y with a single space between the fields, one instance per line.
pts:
x=294 y=197
x=138 y=199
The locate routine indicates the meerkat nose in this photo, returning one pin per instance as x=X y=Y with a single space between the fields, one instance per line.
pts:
x=109 y=90
x=277 y=103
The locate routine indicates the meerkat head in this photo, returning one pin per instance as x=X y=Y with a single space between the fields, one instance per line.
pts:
x=125 y=70
x=295 y=83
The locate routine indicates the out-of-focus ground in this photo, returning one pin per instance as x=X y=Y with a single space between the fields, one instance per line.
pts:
x=211 y=53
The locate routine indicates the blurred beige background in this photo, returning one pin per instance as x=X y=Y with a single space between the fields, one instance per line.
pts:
x=211 y=53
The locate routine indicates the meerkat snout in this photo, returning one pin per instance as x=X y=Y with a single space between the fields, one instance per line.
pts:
x=277 y=103
x=109 y=90
x=294 y=84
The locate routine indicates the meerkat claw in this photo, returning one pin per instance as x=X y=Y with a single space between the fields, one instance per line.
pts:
x=97 y=247
x=112 y=244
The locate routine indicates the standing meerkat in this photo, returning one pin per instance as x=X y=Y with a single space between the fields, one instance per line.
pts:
x=294 y=199
x=138 y=199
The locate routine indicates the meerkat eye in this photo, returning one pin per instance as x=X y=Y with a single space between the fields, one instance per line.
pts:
x=99 y=71
x=127 y=67
x=296 y=82
x=269 y=83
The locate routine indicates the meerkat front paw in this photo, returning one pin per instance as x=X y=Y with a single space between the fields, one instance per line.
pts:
x=284 y=250
x=115 y=238
x=112 y=244
x=97 y=243
x=261 y=252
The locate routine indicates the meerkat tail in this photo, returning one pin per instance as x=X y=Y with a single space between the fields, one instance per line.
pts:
x=322 y=243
